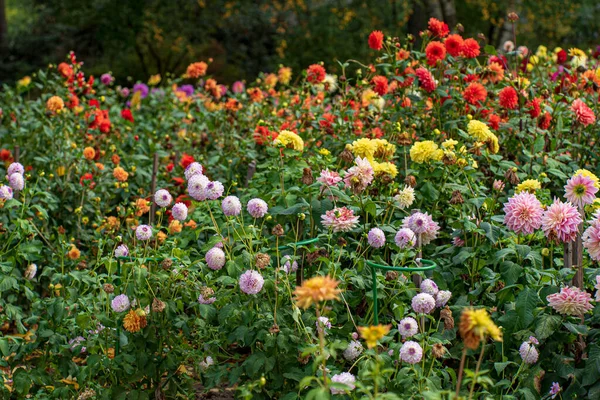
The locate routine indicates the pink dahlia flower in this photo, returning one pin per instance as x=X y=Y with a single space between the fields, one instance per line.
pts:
x=523 y=213
x=329 y=178
x=580 y=190
x=570 y=301
x=583 y=114
x=422 y=225
x=560 y=222
x=359 y=176
x=340 y=219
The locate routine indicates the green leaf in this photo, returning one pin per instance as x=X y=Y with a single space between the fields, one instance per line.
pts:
x=546 y=325
x=526 y=302
x=429 y=192
x=577 y=329
x=489 y=49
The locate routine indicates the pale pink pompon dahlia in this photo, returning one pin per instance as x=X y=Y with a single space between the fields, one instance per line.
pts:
x=570 y=301
x=523 y=213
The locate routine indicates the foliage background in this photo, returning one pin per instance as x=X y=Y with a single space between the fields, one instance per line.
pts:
x=134 y=39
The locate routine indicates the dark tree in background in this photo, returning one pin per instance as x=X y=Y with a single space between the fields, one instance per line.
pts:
x=134 y=38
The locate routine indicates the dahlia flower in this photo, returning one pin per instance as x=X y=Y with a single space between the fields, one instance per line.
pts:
x=215 y=258
x=231 y=206
x=359 y=176
x=6 y=192
x=561 y=221
x=523 y=213
x=580 y=190
x=353 y=350
x=121 y=251
x=442 y=297
x=193 y=169
x=179 y=211
x=422 y=225
x=196 y=185
x=251 y=282
x=408 y=327
x=213 y=190
x=405 y=238
x=411 y=352
x=257 y=208
x=405 y=197
x=345 y=378
x=120 y=303
x=570 y=301
x=583 y=114
x=376 y=238
x=429 y=286
x=340 y=219
x=423 y=303
x=143 y=232
x=16 y=181
x=529 y=353
x=162 y=198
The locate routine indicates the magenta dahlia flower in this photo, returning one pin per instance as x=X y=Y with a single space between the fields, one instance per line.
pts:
x=523 y=213
x=591 y=239
x=580 y=190
x=570 y=301
x=560 y=222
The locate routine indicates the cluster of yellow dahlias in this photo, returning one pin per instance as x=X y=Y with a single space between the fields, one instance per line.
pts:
x=482 y=133
x=422 y=152
x=373 y=149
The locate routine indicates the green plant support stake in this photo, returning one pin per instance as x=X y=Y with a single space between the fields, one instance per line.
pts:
x=427 y=266
x=297 y=244
x=118 y=283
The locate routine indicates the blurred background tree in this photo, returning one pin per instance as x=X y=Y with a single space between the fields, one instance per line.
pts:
x=134 y=38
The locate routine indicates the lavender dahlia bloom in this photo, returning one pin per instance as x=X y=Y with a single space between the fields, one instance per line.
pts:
x=528 y=353
x=179 y=211
x=6 y=192
x=442 y=297
x=257 y=208
x=15 y=168
x=162 y=198
x=423 y=303
x=196 y=185
x=422 y=225
x=16 y=181
x=251 y=282
x=120 y=303
x=376 y=238
x=411 y=352
x=193 y=169
x=143 y=232
x=429 y=286
x=213 y=190
x=215 y=258
x=323 y=324
x=142 y=88
x=353 y=350
x=408 y=327
x=405 y=238
x=345 y=378
x=287 y=267
x=231 y=206
x=121 y=251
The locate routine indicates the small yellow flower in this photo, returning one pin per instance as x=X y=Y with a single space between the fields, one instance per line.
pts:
x=324 y=152
x=154 y=80
x=449 y=144
x=24 y=82
x=529 y=185
x=372 y=334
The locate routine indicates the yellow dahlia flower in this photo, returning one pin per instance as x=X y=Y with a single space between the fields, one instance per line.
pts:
x=290 y=140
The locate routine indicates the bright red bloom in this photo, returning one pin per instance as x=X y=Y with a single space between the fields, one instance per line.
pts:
x=186 y=160
x=475 y=93
x=178 y=182
x=94 y=103
x=376 y=40
x=544 y=121
x=327 y=121
x=426 y=80
x=170 y=167
x=315 y=73
x=438 y=28
x=534 y=107
x=508 y=98
x=263 y=136
x=5 y=155
x=65 y=70
x=561 y=57
x=101 y=121
x=470 y=48
x=73 y=101
x=435 y=51
x=583 y=114
x=380 y=84
x=500 y=60
x=126 y=114
x=454 y=44
x=494 y=121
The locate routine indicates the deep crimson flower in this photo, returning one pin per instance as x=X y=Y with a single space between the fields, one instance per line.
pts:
x=544 y=121
x=376 y=40
x=470 y=48
x=435 y=51
x=508 y=98
x=534 y=107
x=170 y=167
x=87 y=179
x=315 y=73
x=94 y=103
x=561 y=57
x=5 y=155
x=380 y=84
x=186 y=160
x=126 y=114
x=454 y=44
x=475 y=93
x=327 y=121
x=438 y=28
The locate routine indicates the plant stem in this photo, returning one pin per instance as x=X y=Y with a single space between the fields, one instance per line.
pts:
x=476 y=371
